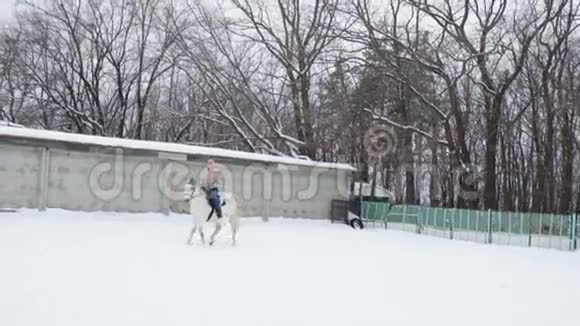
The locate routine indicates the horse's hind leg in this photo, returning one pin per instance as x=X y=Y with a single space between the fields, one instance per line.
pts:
x=234 y=230
x=235 y=224
x=218 y=227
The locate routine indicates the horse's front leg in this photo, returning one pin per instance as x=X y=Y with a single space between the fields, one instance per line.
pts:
x=218 y=227
x=191 y=234
x=202 y=235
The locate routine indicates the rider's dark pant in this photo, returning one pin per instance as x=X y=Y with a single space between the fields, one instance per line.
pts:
x=215 y=202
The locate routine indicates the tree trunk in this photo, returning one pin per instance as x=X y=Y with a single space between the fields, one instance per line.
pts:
x=307 y=121
x=565 y=204
x=492 y=128
x=410 y=192
x=435 y=181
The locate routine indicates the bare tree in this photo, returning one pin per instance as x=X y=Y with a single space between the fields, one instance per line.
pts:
x=152 y=50
x=493 y=42
x=301 y=37
x=401 y=33
x=14 y=86
x=463 y=84
x=229 y=71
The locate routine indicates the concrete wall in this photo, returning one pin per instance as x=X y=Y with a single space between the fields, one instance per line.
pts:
x=20 y=176
x=94 y=178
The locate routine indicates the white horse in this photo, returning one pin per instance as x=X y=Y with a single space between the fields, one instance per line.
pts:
x=200 y=210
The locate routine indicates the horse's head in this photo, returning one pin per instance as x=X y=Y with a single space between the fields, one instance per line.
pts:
x=191 y=189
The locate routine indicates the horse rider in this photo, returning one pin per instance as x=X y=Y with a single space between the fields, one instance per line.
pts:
x=212 y=182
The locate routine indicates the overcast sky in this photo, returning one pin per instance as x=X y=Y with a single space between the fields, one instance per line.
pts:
x=6 y=10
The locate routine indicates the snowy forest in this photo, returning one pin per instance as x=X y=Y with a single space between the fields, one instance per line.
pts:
x=475 y=103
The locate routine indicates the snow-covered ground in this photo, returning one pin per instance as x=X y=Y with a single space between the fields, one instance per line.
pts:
x=69 y=268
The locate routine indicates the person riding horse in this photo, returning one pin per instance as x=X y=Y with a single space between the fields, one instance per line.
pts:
x=212 y=182
x=213 y=186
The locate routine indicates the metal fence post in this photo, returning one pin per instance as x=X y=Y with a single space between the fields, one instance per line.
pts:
x=386 y=217
x=450 y=221
x=521 y=224
x=360 y=198
x=419 y=220
x=530 y=230
x=509 y=228
x=489 y=226
x=573 y=231
x=540 y=231
x=445 y=218
x=551 y=229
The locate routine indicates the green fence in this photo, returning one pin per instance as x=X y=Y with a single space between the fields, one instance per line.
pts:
x=559 y=231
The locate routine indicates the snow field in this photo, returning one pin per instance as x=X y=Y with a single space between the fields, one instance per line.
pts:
x=71 y=268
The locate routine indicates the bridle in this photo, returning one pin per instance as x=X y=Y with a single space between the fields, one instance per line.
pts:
x=193 y=183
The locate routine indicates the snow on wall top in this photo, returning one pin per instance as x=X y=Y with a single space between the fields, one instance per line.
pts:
x=162 y=147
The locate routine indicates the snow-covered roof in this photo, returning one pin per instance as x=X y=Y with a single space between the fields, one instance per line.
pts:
x=38 y=134
x=4 y=123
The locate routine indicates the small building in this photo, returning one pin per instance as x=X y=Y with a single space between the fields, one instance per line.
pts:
x=48 y=169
